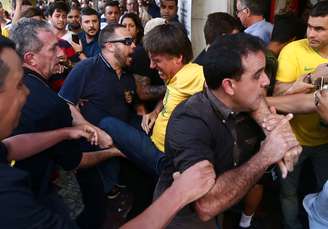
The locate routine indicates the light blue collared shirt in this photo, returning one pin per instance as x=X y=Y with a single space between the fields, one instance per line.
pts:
x=261 y=29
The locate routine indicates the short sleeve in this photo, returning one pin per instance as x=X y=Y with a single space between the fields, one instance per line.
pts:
x=72 y=88
x=287 y=65
x=188 y=141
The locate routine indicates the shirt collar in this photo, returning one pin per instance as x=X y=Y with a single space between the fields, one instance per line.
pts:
x=36 y=75
x=218 y=106
x=105 y=61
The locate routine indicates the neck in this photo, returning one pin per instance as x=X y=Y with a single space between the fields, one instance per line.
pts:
x=275 y=47
x=254 y=19
x=224 y=98
x=36 y=70
x=89 y=38
x=59 y=33
x=323 y=52
x=109 y=57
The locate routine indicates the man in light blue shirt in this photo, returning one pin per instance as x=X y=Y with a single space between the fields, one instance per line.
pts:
x=250 y=13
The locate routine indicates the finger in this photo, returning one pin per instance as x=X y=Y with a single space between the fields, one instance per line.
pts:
x=175 y=175
x=283 y=169
x=273 y=110
x=284 y=121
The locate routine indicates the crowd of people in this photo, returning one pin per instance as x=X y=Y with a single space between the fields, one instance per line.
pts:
x=113 y=93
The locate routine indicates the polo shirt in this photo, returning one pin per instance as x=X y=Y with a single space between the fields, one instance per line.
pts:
x=44 y=111
x=89 y=49
x=203 y=128
x=18 y=208
x=94 y=81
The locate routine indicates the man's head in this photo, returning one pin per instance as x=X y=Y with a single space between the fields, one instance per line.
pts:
x=169 y=9
x=169 y=49
x=13 y=92
x=74 y=18
x=101 y=6
x=58 y=14
x=287 y=27
x=117 y=44
x=218 y=24
x=112 y=12
x=38 y=47
x=90 y=22
x=131 y=6
x=317 y=30
x=246 y=10
x=234 y=66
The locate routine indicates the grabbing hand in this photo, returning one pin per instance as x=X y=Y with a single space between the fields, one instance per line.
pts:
x=148 y=121
x=83 y=131
x=322 y=104
x=195 y=181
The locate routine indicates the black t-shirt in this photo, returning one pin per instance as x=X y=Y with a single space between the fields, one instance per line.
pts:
x=44 y=111
x=18 y=208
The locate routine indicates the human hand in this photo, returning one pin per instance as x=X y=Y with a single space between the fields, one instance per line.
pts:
x=322 y=104
x=148 y=121
x=77 y=46
x=83 y=131
x=279 y=141
x=104 y=140
x=195 y=181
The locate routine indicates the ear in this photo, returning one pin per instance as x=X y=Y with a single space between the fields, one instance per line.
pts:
x=179 y=60
x=109 y=46
x=29 y=58
x=228 y=86
x=248 y=12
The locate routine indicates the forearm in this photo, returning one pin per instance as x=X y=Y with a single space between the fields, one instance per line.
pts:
x=262 y=112
x=26 y=145
x=160 y=213
x=91 y=159
x=297 y=103
x=226 y=193
x=146 y=91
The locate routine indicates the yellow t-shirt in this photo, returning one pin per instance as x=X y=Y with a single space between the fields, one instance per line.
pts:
x=188 y=81
x=295 y=60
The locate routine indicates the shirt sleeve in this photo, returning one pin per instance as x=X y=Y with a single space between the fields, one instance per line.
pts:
x=72 y=88
x=188 y=141
x=287 y=65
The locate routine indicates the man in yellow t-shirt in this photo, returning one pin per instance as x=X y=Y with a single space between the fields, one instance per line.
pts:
x=299 y=60
x=170 y=53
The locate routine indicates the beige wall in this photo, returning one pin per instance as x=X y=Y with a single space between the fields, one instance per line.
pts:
x=200 y=10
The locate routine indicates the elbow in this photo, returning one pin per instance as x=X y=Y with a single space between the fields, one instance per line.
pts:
x=203 y=212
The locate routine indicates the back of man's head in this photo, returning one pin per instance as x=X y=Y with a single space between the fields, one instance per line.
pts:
x=59 y=7
x=320 y=9
x=255 y=6
x=169 y=39
x=108 y=33
x=224 y=57
x=218 y=24
x=25 y=35
x=288 y=27
x=4 y=68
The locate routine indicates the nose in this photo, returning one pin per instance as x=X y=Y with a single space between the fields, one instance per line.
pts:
x=265 y=80
x=59 y=52
x=152 y=64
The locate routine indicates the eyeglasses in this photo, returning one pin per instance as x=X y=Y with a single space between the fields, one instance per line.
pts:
x=126 y=41
x=238 y=11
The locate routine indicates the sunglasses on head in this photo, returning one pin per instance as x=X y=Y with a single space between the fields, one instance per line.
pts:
x=126 y=41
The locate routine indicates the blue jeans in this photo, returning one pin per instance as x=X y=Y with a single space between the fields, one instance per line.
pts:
x=135 y=144
x=289 y=186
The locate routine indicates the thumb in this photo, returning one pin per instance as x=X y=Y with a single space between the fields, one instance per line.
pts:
x=283 y=121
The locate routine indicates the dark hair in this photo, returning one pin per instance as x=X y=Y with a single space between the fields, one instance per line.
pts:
x=320 y=9
x=76 y=7
x=218 y=24
x=169 y=39
x=108 y=33
x=176 y=1
x=286 y=27
x=135 y=18
x=113 y=4
x=32 y=12
x=255 y=6
x=223 y=59
x=88 y=11
x=4 y=68
x=59 y=6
